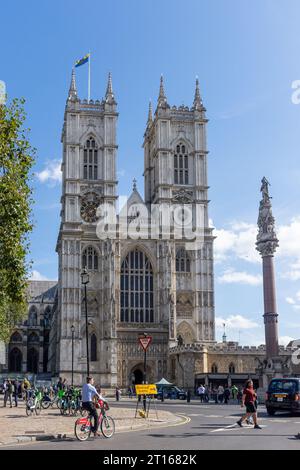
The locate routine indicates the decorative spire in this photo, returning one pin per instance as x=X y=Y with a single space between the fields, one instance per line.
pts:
x=197 y=99
x=150 y=119
x=72 y=90
x=109 y=95
x=162 y=100
x=134 y=184
x=266 y=240
x=224 y=337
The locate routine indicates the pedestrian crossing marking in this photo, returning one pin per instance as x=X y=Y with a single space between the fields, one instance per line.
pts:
x=234 y=426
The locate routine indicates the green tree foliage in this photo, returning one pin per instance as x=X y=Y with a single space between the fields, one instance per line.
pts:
x=16 y=161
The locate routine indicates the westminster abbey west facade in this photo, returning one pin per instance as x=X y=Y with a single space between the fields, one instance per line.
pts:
x=136 y=284
x=140 y=280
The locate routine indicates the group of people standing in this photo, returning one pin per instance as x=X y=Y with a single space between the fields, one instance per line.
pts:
x=219 y=394
x=12 y=389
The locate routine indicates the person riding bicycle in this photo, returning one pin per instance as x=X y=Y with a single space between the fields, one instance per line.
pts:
x=88 y=393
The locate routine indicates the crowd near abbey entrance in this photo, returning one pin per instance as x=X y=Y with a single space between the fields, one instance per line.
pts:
x=161 y=286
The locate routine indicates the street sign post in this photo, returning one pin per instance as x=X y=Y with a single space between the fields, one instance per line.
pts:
x=145 y=342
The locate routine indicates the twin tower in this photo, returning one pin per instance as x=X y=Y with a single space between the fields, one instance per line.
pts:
x=162 y=285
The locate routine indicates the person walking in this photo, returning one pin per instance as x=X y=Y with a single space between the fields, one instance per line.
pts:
x=226 y=395
x=5 y=387
x=201 y=393
x=16 y=391
x=234 y=392
x=8 y=395
x=118 y=393
x=220 y=393
x=249 y=399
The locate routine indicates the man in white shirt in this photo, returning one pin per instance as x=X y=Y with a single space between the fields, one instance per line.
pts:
x=88 y=394
x=201 y=393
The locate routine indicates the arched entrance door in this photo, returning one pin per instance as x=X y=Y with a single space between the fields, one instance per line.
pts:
x=138 y=376
x=32 y=361
x=15 y=360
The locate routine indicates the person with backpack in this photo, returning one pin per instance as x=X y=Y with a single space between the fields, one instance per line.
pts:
x=249 y=399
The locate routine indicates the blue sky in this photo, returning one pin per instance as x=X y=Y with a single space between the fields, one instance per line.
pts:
x=246 y=54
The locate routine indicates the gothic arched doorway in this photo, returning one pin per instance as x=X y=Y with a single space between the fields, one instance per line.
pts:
x=138 y=376
x=15 y=360
x=32 y=361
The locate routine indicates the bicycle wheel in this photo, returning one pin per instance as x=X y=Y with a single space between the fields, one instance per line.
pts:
x=82 y=430
x=107 y=426
x=29 y=407
x=45 y=404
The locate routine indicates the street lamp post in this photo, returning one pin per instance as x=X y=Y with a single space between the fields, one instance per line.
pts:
x=72 y=330
x=85 y=279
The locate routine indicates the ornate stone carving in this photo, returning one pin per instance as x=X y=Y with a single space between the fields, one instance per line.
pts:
x=183 y=196
x=266 y=240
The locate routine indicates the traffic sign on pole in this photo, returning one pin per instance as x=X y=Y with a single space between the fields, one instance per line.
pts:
x=145 y=341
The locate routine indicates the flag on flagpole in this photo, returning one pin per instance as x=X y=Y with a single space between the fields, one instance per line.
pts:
x=82 y=61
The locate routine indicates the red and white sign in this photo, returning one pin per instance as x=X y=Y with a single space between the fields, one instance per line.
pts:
x=145 y=341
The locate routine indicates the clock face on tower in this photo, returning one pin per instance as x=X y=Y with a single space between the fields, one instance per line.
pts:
x=88 y=211
x=88 y=208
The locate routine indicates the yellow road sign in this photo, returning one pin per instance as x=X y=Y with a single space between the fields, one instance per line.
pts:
x=146 y=389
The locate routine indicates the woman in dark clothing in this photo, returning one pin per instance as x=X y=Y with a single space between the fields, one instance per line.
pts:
x=249 y=400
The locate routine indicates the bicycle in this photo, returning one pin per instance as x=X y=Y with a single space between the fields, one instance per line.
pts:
x=83 y=426
x=33 y=403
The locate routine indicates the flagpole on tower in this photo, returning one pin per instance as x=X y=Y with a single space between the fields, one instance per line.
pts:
x=89 y=78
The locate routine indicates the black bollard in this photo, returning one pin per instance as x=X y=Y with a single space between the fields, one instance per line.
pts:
x=188 y=396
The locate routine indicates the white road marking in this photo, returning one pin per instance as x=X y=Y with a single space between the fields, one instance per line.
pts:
x=234 y=426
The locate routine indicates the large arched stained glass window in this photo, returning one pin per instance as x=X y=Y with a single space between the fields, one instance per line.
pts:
x=137 y=289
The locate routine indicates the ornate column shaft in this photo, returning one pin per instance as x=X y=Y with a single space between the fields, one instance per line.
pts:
x=266 y=245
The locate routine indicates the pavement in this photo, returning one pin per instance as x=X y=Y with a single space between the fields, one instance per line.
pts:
x=16 y=427
x=205 y=427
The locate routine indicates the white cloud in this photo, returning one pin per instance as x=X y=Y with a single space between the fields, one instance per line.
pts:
x=296 y=307
x=235 y=322
x=285 y=340
x=51 y=173
x=292 y=275
x=239 y=240
x=236 y=277
x=289 y=237
x=290 y=300
x=37 y=276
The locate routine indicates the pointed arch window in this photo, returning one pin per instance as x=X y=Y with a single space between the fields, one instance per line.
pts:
x=181 y=165
x=231 y=368
x=33 y=338
x=183 y=263
x=90 y=160
x=93 y=348
x=15 y=360
x=137 y=289
x=90 y=259
x=16 y=337
x=214 y=369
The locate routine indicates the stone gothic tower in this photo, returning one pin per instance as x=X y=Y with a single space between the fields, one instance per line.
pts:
x=88 y=179
x=175 y=159
x=141 y=280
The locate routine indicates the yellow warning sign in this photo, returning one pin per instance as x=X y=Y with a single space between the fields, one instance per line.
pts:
x=146 y=389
